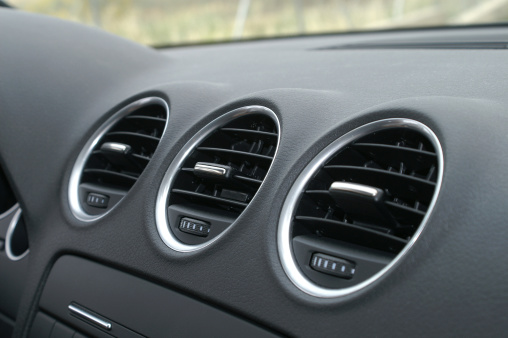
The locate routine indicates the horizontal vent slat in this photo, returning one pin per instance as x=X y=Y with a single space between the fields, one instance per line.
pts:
x=398 y=149
x=108 y=178
x=405 y=213
x=146 y=118
x=109 y=173
x=141 y=157
x=349 y=225
x=251 y=134
x=248 y=179
x=137 y=156
x=239 y=183
x=241 y=178
x=390 y=155
x=400 y=184
x=135 y=164
x=320 y=195
x=235 y=154
x=131 y=134
x=364 y=234
x=214 y=199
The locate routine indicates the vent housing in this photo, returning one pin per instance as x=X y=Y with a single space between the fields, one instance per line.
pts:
x=115 y=157
x=12 y=225
x=215 y=177
x=363 y=201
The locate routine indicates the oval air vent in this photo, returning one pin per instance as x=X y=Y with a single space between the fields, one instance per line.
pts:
x=215 y=177
x=115 y=157
x=359 y=206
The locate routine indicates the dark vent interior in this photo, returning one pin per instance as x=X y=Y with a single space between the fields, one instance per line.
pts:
x=7 y=199
x=246 y=147
x=402 y=165
x=120 y=157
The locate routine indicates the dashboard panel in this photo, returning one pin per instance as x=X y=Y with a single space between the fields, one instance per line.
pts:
x=60 y=82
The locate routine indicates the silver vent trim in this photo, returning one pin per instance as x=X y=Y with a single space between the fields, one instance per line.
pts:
x=10 y=232
x=285 y=221
x=163 y=194
x=83 y=156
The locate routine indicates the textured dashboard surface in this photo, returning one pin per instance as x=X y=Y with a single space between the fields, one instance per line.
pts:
x=59 y=81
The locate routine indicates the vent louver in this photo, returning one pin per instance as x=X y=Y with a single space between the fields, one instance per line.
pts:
x=116 y=156
x=216 y=176
x=364 y=203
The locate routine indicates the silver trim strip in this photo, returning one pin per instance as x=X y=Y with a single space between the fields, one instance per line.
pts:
x=90 y=317
x=9 y=211
x=288 y=210
x=77 y=170
x=165 y=233
x=8 y=237
x=355 y=188
x=209 y=169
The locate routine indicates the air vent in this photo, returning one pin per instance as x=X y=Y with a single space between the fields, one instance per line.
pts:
x=115 y=157
x=359 y=206
x=13 y=235
x=215 y=177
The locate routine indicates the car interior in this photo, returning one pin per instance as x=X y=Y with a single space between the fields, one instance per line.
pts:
x=328 y=185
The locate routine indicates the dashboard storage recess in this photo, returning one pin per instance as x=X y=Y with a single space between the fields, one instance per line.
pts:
x=119 y=304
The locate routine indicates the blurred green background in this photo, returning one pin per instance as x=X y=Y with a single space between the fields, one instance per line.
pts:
x=174 y=22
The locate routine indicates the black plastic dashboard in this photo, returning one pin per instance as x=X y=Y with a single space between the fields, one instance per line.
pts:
x=60 y=81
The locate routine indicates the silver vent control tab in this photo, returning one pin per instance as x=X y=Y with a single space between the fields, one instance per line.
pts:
x=213 y=170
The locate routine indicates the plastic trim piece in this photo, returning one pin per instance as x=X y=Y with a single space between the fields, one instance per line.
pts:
x=163 y=194
x=288 y=210
x=8 y=237
x=83 y=156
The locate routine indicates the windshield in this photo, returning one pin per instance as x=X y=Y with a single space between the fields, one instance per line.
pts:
x=174 y=22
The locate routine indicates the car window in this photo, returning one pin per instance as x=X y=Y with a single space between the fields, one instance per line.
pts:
x=173 y=22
